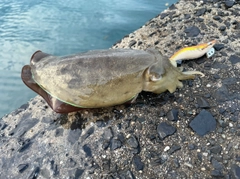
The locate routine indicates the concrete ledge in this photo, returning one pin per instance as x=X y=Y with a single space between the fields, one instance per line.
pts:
x=161 y=136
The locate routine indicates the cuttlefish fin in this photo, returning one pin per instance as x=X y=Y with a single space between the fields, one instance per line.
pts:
x=57 y=105
x=37 y=56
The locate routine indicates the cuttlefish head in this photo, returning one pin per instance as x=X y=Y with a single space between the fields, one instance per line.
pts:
x=163 y=76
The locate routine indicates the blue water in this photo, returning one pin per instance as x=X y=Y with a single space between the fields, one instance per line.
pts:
x=61 y=27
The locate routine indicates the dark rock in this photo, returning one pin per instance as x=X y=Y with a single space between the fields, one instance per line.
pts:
x=100 y=123
x=217 y=18
x=192 y=31
x=203 y=123
x=202 y=103
x=174 y=148
x=172 y=115
x=132 y=142
x=159 y=160
x=221 y=94
x=191 y=146
x=74 y=135
x=139 y=43
x=187 y=16
x=200 y=12
x=234 y=59
x=25 y=146
x=115 y=144
x=87 y=150
x=136 y=160
x=172 y=7
x=88 y=133
x=108 y=134
x=3 y=126
x=34 y=173
x=217 y=173
x=216 y=76
x=22 y=167
x=59 y=132
x=164 y=129
x=199 y=156
x=70 y=163
x=78 y=173
x=222 y=28
x=54 y=167
x=230 y=81
x=153 y=33
x=200 y=20
x=163 y=15
x=235 y=171
x=24 y=106
x=24 y=126
x=216 y=149
x=218 y=47
x=176 y=163
x=47 y=120
x=121 y=137
x=238 y=158
x=106 y=164
x=200 y=60
x=129 y=175
x=207 y=95
x=237 y=25
x=105 y=144
x=132 y=42
x=229 y=4
x=141 y=119
x=216 y=164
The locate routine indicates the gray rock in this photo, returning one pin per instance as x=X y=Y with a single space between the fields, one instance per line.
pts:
x=138 y=164
x=78 y=173
x=229 y=4
x=235 y=171
x=87 y=150
x=217 y=165
x=217 y=173
x=115 y=144
x=203 y=123
x=192 y=31
x=174 y=148
x=22 y=167
x=132 y=142
x=172 y=115
x=164 y=129
x=202 y=103
x=74 y=135
x=200 y=12
x=34 y=173
x=234 y=59
x=222 y=28
x=218 y=47
x=108 y=134
x=216 y=149
x=70 y=163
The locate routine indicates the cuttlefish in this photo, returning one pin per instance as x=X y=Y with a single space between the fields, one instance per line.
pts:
x=101 y=78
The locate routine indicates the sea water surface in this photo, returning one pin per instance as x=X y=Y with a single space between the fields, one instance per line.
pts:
x=61 y=27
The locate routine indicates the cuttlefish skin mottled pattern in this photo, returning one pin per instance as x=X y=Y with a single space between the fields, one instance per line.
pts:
x=100 y=78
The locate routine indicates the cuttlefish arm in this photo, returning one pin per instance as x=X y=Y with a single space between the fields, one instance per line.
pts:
x=191 y=52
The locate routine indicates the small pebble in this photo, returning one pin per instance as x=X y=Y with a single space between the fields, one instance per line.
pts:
x=164 y=129
x=166 y=148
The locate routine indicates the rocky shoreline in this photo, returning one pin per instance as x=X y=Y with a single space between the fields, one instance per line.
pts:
x=192 y=133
